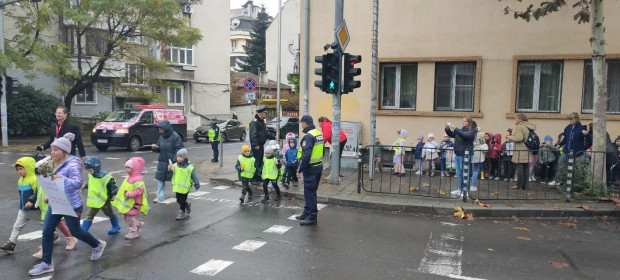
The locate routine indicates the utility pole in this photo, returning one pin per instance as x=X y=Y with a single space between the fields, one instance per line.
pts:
x=336 y=101
x=373 y=88
x=279 y=72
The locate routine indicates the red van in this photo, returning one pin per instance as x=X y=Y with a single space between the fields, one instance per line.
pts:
x=135 y=128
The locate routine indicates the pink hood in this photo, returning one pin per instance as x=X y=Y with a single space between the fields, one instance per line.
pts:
x=285 y=146
x=138 y=166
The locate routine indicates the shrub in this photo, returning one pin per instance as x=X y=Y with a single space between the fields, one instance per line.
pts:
x=31 y=111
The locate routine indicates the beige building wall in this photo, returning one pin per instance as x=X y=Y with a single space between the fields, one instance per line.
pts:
x=211 y=85
x=289 y=44
x=444 y=30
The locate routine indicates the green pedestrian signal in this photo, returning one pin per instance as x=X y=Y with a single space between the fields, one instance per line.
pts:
x=329 y=72
x=332 y=85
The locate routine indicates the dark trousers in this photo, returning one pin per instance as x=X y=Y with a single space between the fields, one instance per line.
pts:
x=523 y=175
x=495 y=172
x=291 y=174
x=216 y=149
x=275 y=186
x=547 y=171
x=509 y=170
x=182 y=200
x=245 y=184
x=73 y=223
x=258 y=161
x=312 y=177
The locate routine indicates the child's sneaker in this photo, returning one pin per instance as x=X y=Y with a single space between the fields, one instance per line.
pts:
x=265 y=199
x=98 y=251
x=242 y=198
x=181 y=215
x=8 y=247
x=39 y=254
x=188 y=208
x=41 y=268
x=71 y=241
x=278 y=198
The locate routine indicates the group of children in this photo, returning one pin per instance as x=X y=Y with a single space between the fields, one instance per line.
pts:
x=425 y=154
x=277 y=166
x=130 y=199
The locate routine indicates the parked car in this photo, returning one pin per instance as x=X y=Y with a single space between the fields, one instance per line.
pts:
x=287 y=124
x=229 y=129
x=135 y=127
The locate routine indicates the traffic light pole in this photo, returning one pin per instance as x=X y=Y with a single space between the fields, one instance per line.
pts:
x=5 y=131
x=336 y=101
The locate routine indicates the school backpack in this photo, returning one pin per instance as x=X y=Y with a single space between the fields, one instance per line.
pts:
x=532 y=142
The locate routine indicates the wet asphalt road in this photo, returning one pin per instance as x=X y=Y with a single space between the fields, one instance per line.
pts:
x=223 y=240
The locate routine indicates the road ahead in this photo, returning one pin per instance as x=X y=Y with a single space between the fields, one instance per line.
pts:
x=225 y=240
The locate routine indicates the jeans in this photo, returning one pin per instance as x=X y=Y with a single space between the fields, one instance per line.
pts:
x=561 y=168
x=216 y=151
x=161 y=190
x=312 y=176
x=477 y=168
x=443 y=165
x=49 y=224
x=459 y=161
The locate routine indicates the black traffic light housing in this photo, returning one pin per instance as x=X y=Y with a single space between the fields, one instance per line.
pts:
x=329 y=71
x=350 y=72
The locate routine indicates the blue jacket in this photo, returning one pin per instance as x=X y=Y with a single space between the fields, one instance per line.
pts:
x=418 y=150
x=307 y=143
x=574 y=140
x=291 y=154
x=217 y=131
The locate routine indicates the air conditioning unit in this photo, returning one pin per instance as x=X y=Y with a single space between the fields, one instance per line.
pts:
x=188 y=9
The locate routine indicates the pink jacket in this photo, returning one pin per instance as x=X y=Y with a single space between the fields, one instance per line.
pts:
x=135 y=176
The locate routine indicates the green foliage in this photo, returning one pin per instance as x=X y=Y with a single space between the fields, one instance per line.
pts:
x=294 y=79
x=100 y=32
x=584 y=182
x=30 y=111
x=549 y=7
x=255 y=47
x=98 y=118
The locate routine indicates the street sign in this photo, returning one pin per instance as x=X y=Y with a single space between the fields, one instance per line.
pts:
x=250 y=96
x=342 y=34
x=249 y=84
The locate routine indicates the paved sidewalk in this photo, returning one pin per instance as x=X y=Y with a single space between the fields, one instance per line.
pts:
x=345 y=194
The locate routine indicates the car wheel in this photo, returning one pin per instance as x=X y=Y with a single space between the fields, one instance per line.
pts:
x=223 y=138
x=102 y=148
x=135 y=143
x=242 y=138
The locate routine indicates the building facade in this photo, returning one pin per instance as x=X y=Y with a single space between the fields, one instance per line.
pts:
x=241 y=23
x=289 y=44
x=440 y=60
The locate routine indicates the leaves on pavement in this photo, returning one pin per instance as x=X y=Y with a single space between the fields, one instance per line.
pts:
x=568 y=224
x=413 y=189
x=521 y=228
x=559 y=264
x=495 y=194
x=441 y=192
x=482 y=204
x=459 y=213
x=585 y=207
x=524 y=238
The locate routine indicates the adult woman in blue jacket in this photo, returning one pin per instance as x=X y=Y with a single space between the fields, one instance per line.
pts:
x=574 y=140
x=463 y=141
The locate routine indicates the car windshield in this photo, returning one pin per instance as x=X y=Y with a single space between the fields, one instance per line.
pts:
x=282 y=121
x=222 y=124
x=126 y=115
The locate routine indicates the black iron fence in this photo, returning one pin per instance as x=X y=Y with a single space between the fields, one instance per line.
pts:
x=546 y=174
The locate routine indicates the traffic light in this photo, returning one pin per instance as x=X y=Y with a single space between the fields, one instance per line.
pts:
x=350 y=72
x=329 y=73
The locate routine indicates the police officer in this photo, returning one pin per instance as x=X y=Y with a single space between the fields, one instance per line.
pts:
x=214 y=138
x=258 y=137
x=311 y=166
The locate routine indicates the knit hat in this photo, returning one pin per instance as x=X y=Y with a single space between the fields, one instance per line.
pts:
x=245 y=148
x=421 y=138
x=269 y=150
x=548 y=138
x=64 y=142
x=430 y=135
x=182 y=153
x=129 y=164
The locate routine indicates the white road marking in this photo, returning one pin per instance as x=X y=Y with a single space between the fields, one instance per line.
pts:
x=202 y=184
x=2 y=163
x=464 y=277
x=43 y=278
x=320 y=206
x=249 y=245
x=444 y=253
x=169 y=200
x=212 y=267
x=38 y=233
x=113 y=158
x=449 y=224
x=197 y=193
x=117 y=171
x=292 y=218
x=221 y=187
x=278 y=229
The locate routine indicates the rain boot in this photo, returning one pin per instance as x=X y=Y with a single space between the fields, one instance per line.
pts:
x=86 y=225
x=115 y=226
x=481 y=175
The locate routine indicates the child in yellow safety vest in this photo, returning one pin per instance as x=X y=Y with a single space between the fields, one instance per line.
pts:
x=270 y=172
x=183 y=177
x=131 y=197
x=31 y=206
x=246 y=166
x=101 y=188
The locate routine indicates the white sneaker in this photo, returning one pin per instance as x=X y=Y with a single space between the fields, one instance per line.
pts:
x=455 y=192
x=552 y=183
x=156 y=200
x=473 y=189
x=418 y=173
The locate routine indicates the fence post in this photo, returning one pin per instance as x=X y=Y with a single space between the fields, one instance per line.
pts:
x=569 y=175
x=221 y=148
x=465 y=190
x=360 y=170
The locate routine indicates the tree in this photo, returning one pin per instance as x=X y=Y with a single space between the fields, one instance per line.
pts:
x=588 y=11
x=99 y=37
x=30 y=111
x=255 y=47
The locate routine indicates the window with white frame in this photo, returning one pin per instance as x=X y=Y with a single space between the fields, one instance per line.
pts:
x=234 y=46
x=134 y=37
x=539 y=86
x=175 y=95
x=87 y=96
x=134 y=74
x=399 y=83
x=455 y=84
x=613 y=87
x=180 y=55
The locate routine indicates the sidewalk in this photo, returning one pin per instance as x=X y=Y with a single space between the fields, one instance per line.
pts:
x=345 y=194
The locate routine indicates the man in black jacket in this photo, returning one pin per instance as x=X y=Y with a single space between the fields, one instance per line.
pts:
x=258 y=137
x=63 y=126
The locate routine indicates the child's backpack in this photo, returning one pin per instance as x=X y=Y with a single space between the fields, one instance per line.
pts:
x=532 y=142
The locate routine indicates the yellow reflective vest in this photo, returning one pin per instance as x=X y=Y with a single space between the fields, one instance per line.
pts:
x=40 y=201
x=248 y=165
x=211 y=133
x=98 y=190
x=316 y=158
x=400 y=143
x=182 y=178
x=270 y=170
x=124 y=204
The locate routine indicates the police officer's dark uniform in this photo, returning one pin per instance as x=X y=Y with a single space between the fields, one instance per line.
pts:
x=311 y=166
x=258 y=137
x=214 y=138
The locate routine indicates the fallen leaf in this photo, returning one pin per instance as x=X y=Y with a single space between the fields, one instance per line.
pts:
x=605 y=218
x=559 y=264
x=469 y=217
x=530 y=194
x=524 y=238
x=308 y=250
x=481 y=204
x=585 y=207
x=495 y=194
x=313 y=267
x=459 y=213
x=555 y=206
x=128 y=244
x=568 y=224
x=413 y=189
x=441 y=192
x=521 y=228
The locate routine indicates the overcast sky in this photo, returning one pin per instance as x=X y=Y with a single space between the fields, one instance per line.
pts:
x=271 y=5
